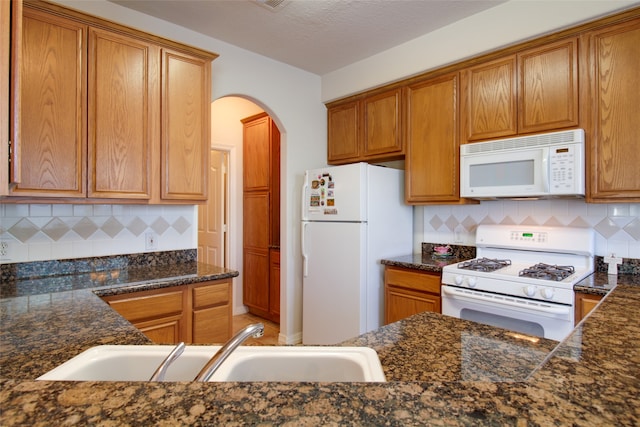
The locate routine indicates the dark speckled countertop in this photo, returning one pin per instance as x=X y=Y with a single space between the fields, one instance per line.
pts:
x=440 y=371
x=429 y=261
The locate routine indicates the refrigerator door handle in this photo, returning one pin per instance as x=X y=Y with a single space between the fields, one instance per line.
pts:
x=303 y=214
x=305 y=257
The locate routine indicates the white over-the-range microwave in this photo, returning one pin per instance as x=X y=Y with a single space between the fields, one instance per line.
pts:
x=535 y=166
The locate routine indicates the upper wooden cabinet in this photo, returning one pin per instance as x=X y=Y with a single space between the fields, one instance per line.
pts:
x=366 y=129
x=489 y=100
x=258 y=143
x=548 y=87
x=109 y=112
x=343 y=141
x=432 y=160
x=121 y=118
x=10 y=48
x=186 y=118
x=532 y=91
x=381 y=125
x=613 y=153
x=53 y=106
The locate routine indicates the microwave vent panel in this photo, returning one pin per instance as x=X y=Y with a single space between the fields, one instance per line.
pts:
x=540 y=140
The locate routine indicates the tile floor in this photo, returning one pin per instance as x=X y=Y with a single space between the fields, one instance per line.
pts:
x=271 y=330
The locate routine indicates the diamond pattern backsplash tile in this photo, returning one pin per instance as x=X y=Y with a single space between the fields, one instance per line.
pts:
x=23 y=230
x=617 y=226
x=76 y=231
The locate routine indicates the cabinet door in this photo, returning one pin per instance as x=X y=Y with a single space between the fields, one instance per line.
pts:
x=255 y=272
x=121 y=86
x=402 y=303
x=53 y=107
x=256 y=251
x=343 y=142
x=186 y=115
x=256 y=149
x=381 y=125
x=612 y=154
x=548 y=87
x=211 y=325
x=408 y=292
x=274 y=285
x=166 y=330
x=10 y=59
x=584 y=304
x=158 y=313
x=489 y=100
x=432 y=141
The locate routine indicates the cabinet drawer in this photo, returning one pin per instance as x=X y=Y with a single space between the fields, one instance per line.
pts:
x=210 y=295
x=149 y=306
x=429 y=282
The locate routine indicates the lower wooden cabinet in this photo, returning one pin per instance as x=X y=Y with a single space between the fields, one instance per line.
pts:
x=584 y=304
x=196 y=314
x=408 y=292
x=211 y=312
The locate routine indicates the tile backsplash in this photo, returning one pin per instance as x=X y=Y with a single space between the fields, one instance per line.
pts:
x=617 y=226
x=40 y=232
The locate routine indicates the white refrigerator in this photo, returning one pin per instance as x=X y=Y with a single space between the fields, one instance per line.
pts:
x=352 y=217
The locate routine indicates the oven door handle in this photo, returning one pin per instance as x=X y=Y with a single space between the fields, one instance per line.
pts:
x=460 y=293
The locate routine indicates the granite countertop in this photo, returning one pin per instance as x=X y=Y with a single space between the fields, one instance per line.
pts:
x=429 y=261
x=118 y=280
x=598 y=283
x=440 y=370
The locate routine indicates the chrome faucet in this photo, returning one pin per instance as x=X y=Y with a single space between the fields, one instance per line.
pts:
x=255 y=330
x=160 y=372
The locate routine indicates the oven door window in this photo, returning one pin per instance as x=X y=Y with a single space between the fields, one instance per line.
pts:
x=518 y=325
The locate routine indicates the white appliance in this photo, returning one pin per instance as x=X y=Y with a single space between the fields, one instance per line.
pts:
x=522 y=278
x=352 y=216
x=541 y=166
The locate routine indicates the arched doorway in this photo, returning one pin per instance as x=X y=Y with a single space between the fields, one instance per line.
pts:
x=221 y=220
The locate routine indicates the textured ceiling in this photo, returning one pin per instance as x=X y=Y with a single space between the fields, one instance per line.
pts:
x=315 y=35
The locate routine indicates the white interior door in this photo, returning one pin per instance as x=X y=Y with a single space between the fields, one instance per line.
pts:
x=212 y=216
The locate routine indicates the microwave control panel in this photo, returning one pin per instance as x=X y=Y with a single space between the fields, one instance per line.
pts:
x=565 y=168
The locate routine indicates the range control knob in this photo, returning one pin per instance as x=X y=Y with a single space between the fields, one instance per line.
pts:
x=547 y=293
x=529 y=290
x=472 y=282
x=458 y=280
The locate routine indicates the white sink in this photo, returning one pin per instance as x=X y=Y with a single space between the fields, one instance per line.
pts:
x=246 y=363
x=325 y=364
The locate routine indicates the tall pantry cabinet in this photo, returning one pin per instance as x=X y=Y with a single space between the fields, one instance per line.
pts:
x=261 y=218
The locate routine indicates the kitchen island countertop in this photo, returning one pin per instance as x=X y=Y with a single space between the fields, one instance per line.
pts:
x=439 y=370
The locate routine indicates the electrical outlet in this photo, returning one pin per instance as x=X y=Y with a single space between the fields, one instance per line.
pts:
x=5 y=248
x=151 y=240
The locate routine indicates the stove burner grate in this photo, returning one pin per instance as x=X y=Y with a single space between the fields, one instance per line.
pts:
x=484 y=264
x=548 y=272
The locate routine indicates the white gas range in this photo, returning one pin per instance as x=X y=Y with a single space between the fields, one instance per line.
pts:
x=522 y=278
